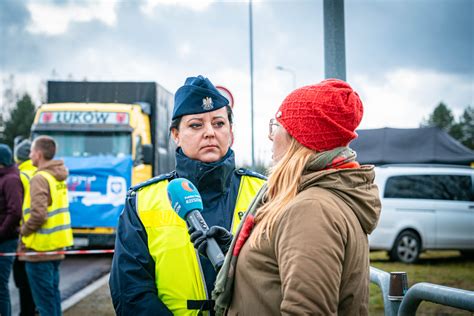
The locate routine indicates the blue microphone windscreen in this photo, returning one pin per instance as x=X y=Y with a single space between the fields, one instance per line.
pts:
x=184 y=197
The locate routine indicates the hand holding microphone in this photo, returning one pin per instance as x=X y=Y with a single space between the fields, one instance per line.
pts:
x=186 y=201
x=199 y=239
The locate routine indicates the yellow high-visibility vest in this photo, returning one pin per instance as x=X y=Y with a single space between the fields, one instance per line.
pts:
x=27 y=170
x=178 y=274
x=56 y=232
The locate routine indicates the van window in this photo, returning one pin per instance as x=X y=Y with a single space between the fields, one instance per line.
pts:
x=431 y=187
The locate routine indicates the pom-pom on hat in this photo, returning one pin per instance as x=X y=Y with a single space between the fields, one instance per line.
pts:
x=322 y=116
x=5 y=155
x=197 y=95
x=22 y=151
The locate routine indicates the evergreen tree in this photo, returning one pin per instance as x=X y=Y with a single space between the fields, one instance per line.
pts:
x=456 y=131
x=441 y=117
x=462 y=130
x=466 y=122
x=21 y=118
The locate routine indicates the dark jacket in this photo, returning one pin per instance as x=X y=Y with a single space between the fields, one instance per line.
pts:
x=317 y=259
x=11 y=201
x=132 y=279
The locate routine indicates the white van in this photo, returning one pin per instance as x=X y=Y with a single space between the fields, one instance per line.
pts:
x=424 y=207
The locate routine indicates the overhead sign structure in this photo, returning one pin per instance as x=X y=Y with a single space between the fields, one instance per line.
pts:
x=83 y=117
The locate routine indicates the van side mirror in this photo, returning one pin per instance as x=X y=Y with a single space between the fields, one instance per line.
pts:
x=147 y=150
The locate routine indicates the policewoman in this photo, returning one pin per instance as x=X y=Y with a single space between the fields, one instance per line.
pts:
x=155 y=269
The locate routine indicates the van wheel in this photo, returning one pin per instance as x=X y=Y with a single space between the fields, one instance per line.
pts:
x=406 y=248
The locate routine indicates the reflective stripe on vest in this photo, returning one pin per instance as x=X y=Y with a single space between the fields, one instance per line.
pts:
x=178 y=274
x=56 y=232
x=25 y=181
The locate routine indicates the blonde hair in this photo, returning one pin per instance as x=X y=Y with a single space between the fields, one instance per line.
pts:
x=283 y=184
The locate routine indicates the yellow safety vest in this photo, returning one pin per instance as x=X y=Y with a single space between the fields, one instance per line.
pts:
x=178 y=274
x=27 y=170
x=56 y=232
x=27 y=167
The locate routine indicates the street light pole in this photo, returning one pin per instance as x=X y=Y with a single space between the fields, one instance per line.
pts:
x=334 y=39
x=251 y=80
x=291 y=71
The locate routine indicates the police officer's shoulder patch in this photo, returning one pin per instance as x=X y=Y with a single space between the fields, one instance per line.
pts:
x=251 y=173
x=161 y=177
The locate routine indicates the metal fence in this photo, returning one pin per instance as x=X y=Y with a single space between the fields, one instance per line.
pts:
x=409 y=302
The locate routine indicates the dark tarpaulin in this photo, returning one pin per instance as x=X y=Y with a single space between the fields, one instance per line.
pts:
x=101 y=92
x=414 y=145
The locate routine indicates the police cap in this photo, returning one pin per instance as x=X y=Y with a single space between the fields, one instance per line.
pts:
x=197 y=95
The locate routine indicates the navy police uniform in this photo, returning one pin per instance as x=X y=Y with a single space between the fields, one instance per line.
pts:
x=143 y=256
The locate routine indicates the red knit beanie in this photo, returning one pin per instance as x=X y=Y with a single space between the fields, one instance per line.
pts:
x=322 y=116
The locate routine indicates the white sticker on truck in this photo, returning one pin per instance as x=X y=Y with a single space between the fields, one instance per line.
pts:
x=83 y=117
x=115 y=195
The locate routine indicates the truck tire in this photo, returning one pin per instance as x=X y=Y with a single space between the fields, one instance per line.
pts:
x=407 y=247
x=468 y=254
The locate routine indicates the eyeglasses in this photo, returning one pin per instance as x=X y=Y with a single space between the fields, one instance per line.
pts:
x=272 y=127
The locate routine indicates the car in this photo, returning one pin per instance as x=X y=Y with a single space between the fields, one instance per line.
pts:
x=424 y=207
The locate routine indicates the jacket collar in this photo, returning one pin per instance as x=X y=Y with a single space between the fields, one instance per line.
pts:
x=56 y=168
x=207 y=177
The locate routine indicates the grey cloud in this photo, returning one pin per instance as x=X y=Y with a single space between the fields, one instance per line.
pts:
x=420 y=34
x=137 y=36
x=13 y=15
x=62 y=2
x=19 y=49
x=380 y=35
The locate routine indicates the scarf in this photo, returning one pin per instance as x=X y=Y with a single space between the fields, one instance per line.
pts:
x=338 y=158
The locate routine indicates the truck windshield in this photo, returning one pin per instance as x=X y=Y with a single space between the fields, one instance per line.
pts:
x=85 y=144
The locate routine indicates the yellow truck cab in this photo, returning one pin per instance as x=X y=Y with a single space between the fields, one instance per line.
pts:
x=111 y=135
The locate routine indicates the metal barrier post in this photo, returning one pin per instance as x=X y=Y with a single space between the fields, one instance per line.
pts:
x=437 y=294
x=382 y=279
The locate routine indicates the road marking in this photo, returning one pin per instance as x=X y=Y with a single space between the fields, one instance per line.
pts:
x=58 y=252
x=79 y=296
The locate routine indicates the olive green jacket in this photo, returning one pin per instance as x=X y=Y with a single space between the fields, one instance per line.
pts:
x=317 y=259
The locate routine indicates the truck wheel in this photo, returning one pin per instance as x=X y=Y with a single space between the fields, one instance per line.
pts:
x=468 y=254
x=407 y=247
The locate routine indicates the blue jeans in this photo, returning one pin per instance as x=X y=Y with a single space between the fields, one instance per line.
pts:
x=5 y=269
x=44 y=282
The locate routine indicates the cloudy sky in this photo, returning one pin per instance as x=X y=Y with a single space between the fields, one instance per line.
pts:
x=402 y=56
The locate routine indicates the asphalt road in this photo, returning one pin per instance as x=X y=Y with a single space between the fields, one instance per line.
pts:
x=76 y=272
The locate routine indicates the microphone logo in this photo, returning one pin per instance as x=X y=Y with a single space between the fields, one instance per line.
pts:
x=185 y=185
x=184 y=196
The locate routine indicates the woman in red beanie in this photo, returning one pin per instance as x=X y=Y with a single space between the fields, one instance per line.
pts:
x=302 y=247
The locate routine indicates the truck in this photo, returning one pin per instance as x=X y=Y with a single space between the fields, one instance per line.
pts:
x=111 y=135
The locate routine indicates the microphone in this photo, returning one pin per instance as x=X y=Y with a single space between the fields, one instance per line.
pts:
x=186 y=201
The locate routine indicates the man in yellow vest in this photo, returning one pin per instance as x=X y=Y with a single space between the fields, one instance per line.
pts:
x=155 y=269
x=46 y=225
x=27 y=170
